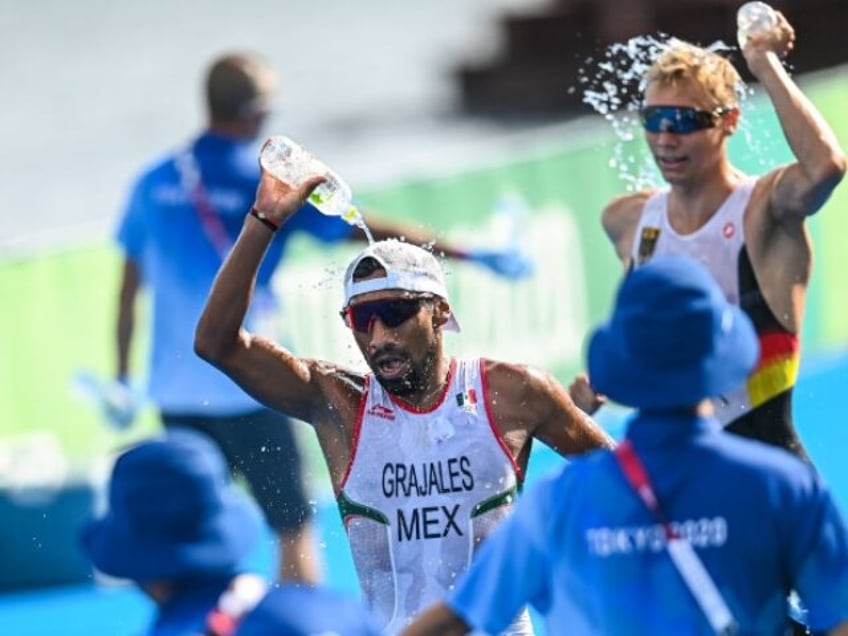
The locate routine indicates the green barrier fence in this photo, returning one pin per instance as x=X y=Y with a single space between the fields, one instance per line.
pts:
x=59 y=308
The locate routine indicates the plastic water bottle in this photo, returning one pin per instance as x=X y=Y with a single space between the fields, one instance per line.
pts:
x=292 y=164
x=753 y=18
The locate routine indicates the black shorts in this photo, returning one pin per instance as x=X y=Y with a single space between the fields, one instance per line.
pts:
x=260 y=446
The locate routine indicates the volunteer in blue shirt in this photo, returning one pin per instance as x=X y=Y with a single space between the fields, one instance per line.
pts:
x=596 y=556
x=179 y=530
x=180 y=222
x=297 y=610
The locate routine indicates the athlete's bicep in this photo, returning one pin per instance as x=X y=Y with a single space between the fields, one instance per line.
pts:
x=795 y=195
x=619 y=220
x=298 y=387
x=562 y=425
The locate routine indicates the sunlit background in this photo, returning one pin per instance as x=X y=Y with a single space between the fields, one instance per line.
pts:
x=464 y=116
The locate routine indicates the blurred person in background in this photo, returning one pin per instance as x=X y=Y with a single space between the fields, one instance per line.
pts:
x=749 y=231
x=684 y=528
x=180 y=222
x=426 y=452
x=290 y=610
x=178 y=528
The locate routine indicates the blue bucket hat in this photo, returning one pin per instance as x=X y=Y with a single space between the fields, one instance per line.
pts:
x=291 y=610
x=673 y=339
x=173 y=513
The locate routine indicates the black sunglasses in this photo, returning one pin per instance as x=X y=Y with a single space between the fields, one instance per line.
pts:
x=680 y=120
x=392 y=312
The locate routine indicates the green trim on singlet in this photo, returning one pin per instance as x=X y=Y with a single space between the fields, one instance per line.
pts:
x=501 y=499
x=349 y=508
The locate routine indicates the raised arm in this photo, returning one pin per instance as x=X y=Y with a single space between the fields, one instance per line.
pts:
x=277 y=378
x=800 y=188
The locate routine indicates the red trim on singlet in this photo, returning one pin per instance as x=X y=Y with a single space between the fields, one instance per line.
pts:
x=776 y=345
x=487 y=402
x=357 y=429
x=409 y=408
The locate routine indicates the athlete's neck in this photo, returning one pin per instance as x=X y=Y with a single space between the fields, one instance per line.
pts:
x=692 y=204
x=431 y=394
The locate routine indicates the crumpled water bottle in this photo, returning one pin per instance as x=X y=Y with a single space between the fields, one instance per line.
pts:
x=753 y=18
x=292 y=164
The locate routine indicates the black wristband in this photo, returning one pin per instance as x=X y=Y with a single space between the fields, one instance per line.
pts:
x=264 y=220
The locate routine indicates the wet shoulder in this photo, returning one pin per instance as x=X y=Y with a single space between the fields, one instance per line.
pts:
x=340 y=390
x=337 y=413
x=516 y=382
x=621 y=218
x=625 y=209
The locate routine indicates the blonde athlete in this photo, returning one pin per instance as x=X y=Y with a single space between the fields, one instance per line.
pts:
x=749 y=231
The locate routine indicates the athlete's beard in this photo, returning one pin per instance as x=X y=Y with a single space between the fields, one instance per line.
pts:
x=415 y=379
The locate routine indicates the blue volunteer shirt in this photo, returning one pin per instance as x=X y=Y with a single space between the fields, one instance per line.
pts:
x=187 y=611
x=161 y=231
x=585 y=551
x=293 y=609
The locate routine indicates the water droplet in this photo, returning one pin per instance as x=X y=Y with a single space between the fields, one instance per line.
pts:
x=613 y=85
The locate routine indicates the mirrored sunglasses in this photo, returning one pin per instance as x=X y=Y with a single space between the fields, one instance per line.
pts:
x=392 y=312
x=680 y=120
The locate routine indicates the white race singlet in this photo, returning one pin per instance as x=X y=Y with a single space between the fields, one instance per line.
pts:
x=720 y=246
x=423 y=488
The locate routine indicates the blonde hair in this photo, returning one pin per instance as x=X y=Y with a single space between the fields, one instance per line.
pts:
x=682 y=62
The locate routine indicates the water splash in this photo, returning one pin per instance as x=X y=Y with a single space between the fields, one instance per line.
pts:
x=358 y=220
x=613 y=85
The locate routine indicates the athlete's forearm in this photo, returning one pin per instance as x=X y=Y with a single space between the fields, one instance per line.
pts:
x=221 y=321
x=811 y=139
x=839 y=630
x=125 y=324
x=218 y=333
x=438 y=620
